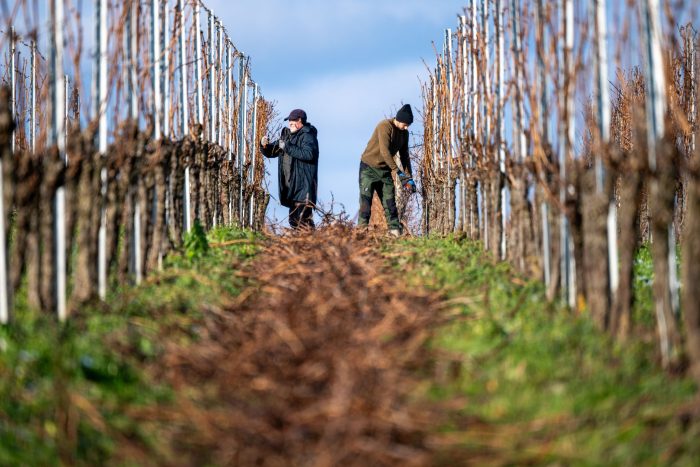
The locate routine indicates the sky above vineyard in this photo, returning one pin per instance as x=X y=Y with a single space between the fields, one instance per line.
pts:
x=348 y=63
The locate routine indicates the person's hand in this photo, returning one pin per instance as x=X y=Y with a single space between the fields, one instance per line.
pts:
x=264 y=141
x=411 y=186
x=407 y=182
x=281 y=144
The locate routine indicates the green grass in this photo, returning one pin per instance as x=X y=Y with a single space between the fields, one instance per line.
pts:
x=526 y=382
x=538 y=384
x=67 y=390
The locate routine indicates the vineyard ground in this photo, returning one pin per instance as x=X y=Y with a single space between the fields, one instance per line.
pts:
x=494 y=376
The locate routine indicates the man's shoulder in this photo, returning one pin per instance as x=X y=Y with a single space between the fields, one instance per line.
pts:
x=385 y=125
x=310 y=129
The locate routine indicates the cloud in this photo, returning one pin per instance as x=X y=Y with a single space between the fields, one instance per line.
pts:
x=294 y=42
x=322 y=23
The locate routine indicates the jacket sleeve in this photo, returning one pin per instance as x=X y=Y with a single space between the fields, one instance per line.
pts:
x=384 y=135
x=405 y=158
x=306 y=150
x=271 y=150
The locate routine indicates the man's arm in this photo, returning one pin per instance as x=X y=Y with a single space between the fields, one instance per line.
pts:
x=307 y=150
x=272 y=150
x=405 y=158
x=384 y=135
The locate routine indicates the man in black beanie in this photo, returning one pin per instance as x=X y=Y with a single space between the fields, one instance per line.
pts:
x=377 y=167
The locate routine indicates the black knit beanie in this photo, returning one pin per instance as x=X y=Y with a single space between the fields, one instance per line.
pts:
x=405 y=115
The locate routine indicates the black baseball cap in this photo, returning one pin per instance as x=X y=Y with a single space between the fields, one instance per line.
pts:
x=297 y=114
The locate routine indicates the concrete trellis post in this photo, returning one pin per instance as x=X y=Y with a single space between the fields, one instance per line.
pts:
x=184 y=115
x=464 y=182
x=229 y=78
x=242 y=130
x=229 y=136
x=519 y=122
x=65 y=114
x=486 y=99
x=566 y=137
x=474 y=82
x=57 y=137
x=541 y=103
x=603 y=107
x=4 y=289
x=32 y=98
x=165 y=70
x=253 y=145
x=465 y=74
x=439 y=104
x=13 y=87
x=212 y=81
x=433 y=86
x=166 y=96
x=220 y=82
x=4 y=285
x=517 y=57
x=691 y=46
x=656 y=109
x=155 y=68
x=132 y=54
x=101 y=114
x=449 y=154
x=500 y=121
x=199 y=98
x=475 y=103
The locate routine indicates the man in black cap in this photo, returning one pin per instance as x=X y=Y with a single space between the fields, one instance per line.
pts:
x=297 y=149
x=377 y=167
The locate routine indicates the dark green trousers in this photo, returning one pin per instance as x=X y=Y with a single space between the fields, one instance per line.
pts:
x=381 y=181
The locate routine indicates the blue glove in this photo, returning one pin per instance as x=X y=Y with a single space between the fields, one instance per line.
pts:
x=407 y=182
x=411 y=186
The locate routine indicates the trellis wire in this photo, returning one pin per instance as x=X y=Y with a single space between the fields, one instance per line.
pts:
x=577 y=184
x=115 y=76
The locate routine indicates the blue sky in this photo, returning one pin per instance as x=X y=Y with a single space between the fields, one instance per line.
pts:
x=348 y=63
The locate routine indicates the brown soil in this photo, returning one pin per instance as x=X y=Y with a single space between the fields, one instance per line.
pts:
x=315 y=364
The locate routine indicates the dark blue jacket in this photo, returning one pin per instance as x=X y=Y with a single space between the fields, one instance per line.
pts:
x=298 y=165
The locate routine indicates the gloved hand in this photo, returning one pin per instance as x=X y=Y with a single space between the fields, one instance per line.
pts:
x=411 y=186
x=407 y=182
x=281 y=144
x=264 y=141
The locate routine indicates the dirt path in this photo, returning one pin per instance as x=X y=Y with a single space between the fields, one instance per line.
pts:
x=313 y=365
